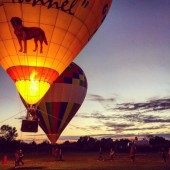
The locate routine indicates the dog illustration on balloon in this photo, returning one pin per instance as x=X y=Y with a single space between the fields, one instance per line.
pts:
x=26 y=33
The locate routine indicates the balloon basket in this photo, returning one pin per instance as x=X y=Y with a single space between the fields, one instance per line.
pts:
x=29 y=126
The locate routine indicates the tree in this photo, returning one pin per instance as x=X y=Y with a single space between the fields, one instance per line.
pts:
x=8 y=133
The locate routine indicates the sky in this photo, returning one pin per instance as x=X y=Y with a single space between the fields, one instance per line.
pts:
x=127 y=65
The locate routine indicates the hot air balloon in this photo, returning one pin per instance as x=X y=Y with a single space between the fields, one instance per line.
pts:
x=62 y=101
x=40 y=38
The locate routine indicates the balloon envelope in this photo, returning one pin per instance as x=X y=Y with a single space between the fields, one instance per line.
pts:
x=62 y=101
x=40 y=38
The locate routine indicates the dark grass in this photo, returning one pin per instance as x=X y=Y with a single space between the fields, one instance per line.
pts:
x=88 y=161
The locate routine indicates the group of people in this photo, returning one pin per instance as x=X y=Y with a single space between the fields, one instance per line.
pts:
x=18 y=157
x=58 y=154
x=111 y=154
x=131 y=154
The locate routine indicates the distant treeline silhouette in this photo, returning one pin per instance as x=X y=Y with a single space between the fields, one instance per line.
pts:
x=8 y=143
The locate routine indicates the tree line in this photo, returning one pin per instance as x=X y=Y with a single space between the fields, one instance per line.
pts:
x=9 y=143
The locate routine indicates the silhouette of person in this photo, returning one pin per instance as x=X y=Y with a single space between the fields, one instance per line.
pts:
x=60 y=155
x=100 y=157
x=112 y=153
x=132 y=152
x=21 y=155
x=56 y=154
x=164 y=155
x=16 y=156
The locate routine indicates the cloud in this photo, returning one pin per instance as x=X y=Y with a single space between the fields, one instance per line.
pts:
x=94 y=97
x=146 y=128
x=152 y=105
x=132 y=117
x=101 y=116
x=97 y=127
x=134 y=120
x=105 y=102
x=95 y=115
x=155 y=119
x=142 y=118
x=118 y=127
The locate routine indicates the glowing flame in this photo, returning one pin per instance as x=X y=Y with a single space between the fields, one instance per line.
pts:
x=33 y=82
x=33 y=74
x=32 y=90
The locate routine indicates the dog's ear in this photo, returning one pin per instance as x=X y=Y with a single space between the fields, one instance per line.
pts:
x=18 y=20
x=12 y=20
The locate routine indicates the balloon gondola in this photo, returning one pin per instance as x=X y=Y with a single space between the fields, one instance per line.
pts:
x=30 y=123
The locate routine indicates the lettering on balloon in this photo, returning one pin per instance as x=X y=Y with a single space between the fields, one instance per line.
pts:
x=104 y=13
x=67 y=6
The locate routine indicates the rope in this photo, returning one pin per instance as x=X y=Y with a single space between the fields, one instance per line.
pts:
x=12 y=116
x=42 y=112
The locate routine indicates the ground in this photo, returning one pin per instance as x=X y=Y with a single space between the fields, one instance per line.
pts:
x=87 y=161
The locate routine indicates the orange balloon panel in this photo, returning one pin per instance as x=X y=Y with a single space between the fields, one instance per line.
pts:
x=36 y=35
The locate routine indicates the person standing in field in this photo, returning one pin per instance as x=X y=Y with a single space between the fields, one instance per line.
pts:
x=60 y=155
x=132 y=152
x=21 y=155
x=100 y=157
x=16 y=156
x=112 y=153
x=163 y=155
x=56 y=154
x=169 y=152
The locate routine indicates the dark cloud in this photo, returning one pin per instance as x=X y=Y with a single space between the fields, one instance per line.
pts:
x=155 y=119
x=83 y=115
x=146 y=128
x=132 y=126
x=132 y=117
x=152 y=105
x=101 y=116
x=94 y=97
x=142 y=118
x=137 y=118
x=110 y=122
x=97 y=127
x=118 y=127
x=95 y=115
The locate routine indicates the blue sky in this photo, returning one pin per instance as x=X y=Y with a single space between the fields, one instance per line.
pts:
x=127 y=65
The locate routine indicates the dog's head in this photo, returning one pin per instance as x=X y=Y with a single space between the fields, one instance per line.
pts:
x=16 y=21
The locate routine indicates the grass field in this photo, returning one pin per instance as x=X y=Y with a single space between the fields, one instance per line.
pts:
x=88 y=161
